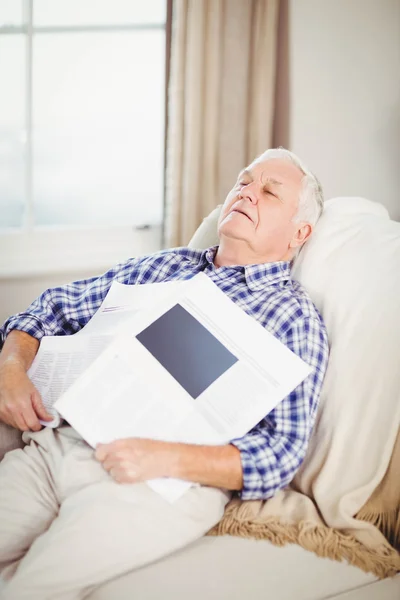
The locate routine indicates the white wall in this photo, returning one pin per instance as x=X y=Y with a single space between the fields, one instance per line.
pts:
x=31 y=263
x=344 y=87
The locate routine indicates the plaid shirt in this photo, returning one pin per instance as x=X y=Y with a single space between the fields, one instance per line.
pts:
x=272 y=451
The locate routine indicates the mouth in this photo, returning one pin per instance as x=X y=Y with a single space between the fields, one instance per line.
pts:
x=241 y=212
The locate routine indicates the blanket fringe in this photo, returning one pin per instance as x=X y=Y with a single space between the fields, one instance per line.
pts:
x=383 y=561
x=387 y=522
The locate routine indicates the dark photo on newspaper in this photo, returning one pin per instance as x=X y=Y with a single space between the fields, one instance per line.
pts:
x=189 y=351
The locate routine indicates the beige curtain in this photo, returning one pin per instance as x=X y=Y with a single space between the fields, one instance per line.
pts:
x=220 y=105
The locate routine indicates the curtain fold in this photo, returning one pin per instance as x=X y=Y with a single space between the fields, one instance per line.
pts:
x=220 y=103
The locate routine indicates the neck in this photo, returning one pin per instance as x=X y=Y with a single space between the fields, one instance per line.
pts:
x=235 y=252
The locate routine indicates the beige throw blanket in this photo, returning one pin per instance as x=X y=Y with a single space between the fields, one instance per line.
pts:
x=292 y=517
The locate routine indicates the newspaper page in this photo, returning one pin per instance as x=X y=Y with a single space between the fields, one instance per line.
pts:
x=62 y=359
x=193 y=368
x=59 y=362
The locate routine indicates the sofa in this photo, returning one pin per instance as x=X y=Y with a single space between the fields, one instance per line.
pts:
x=335 y=531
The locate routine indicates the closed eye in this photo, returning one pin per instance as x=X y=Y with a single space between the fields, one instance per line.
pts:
x=271 y=193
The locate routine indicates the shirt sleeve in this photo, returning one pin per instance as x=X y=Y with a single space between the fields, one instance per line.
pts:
x=66 y=309
x=272 y=452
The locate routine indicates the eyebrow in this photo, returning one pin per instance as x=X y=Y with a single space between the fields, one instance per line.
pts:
x=269 y=180
x=273 y=181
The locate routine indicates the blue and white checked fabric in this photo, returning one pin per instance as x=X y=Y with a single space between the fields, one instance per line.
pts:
x=272 y=451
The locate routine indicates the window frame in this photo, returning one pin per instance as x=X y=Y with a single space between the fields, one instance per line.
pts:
x=32 y=250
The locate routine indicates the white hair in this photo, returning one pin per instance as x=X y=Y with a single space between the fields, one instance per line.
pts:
x=311 y=198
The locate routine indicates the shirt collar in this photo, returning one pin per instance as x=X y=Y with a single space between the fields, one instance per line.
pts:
x=259 y=275
x=273 y=273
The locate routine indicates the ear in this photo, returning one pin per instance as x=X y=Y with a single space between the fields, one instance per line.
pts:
x=301 y=235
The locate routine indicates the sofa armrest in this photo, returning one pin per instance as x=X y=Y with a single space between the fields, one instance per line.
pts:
x=10 y=439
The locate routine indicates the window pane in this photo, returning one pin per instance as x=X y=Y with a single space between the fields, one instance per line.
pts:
x=98 y=12
x=12 y=115
x=10 y=13
x=98 y=101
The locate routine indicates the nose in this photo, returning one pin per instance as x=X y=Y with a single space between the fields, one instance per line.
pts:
x=248 y=192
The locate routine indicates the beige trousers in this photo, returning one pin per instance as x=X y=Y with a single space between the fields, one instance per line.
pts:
x=66 y=527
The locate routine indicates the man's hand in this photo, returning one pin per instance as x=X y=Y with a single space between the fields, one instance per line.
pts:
x=20 y=403
x=135 y=459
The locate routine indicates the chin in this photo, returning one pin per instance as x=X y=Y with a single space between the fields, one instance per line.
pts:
x=232 y=231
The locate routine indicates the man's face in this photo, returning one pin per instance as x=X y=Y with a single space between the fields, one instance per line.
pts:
x=260 y=208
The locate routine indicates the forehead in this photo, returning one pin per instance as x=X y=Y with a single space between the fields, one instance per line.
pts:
x=282 y=171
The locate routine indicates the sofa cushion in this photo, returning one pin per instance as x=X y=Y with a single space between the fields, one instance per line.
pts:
x=228 y=568
x=10 y=439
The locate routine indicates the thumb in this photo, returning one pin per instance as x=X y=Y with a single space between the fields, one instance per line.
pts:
x=39 y=408
x=100 y=452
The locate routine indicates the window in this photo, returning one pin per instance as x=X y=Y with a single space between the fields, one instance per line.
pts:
x=81 y=130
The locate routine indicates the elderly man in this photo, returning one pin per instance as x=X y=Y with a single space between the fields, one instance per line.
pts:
x=71 y=518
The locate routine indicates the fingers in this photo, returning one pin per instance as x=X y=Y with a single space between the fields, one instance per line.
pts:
x=22 y=415
x=19 y=422
x=20 y=402
x=132 y=460
x=120 y=470
x=101 y=452
x=107 y=456
x=31 y=419
x=121 y=476
x=39 y=408
x=109 y=464
x=23 y=419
